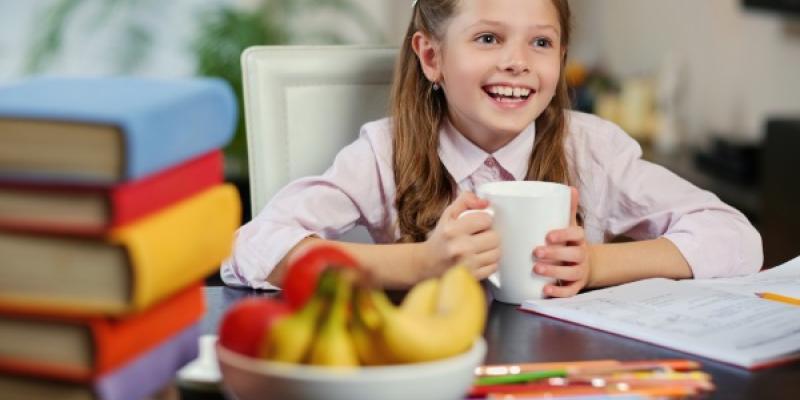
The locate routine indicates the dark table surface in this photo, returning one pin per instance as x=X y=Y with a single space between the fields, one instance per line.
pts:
x=517 y=336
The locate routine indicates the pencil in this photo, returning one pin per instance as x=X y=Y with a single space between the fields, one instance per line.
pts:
x=556 y=392
x=506 y=384
x=506 y=369
x=779 y=298
x=519 y=378
x=587 y=367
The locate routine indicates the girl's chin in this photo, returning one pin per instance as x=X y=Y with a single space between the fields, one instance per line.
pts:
x=512 y=122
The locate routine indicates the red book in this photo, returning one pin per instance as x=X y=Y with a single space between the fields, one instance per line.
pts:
x=78 y=348
x=92 y=210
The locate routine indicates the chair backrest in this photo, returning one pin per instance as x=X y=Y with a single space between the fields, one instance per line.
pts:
x=303 y=104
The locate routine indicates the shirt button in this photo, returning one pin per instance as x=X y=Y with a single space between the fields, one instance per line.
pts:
x=490 y=162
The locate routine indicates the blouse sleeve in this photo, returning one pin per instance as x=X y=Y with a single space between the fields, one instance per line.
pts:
x=348 y=193
x=646 y=201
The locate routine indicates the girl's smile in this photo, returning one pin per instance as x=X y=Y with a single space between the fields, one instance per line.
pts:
x=508 y=95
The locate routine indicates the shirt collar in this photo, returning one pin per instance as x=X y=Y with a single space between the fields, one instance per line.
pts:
x=462 y=157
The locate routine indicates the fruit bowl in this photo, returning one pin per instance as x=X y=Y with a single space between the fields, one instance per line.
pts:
x=246 y=378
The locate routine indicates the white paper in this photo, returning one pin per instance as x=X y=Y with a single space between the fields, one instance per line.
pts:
x=783 y=280
x=740 y=329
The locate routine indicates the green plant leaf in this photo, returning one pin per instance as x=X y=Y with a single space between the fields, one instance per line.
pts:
x=48 y=34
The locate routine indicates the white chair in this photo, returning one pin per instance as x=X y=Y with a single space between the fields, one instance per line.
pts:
x=303 y=104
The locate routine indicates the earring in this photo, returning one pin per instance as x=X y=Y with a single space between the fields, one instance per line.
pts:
x=436 y=86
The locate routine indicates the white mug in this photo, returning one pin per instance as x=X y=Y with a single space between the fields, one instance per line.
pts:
x=523 y=213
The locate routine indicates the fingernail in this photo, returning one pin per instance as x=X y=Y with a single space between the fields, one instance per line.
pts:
x=539 y=253
x=548 y=290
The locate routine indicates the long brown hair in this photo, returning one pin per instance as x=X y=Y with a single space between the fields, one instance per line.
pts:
x=424 y=187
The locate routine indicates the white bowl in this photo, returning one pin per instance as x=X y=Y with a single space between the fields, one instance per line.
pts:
x=246 y=378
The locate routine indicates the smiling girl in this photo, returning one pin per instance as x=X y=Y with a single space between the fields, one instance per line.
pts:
x=479 y=95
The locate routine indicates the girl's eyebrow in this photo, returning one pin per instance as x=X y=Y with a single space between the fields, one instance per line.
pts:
x=501 y=24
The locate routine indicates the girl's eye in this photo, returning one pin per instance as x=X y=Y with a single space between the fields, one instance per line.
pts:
x=486 y=38
x=542 y=42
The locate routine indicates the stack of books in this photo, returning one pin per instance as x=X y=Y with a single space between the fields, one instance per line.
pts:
x=112 y=212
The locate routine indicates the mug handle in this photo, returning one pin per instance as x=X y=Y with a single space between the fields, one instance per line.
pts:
x=493 y=279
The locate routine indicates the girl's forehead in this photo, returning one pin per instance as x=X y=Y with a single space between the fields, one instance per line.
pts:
x=515 y=13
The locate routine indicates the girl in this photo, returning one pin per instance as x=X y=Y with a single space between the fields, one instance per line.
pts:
x=479 y=95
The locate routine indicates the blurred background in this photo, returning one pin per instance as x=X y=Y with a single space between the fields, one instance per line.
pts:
x=710 y=88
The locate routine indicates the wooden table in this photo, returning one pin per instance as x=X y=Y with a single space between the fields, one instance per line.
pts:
x=516 y=336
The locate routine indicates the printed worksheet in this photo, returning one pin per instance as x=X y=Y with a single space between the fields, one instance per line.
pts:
x=737 y=328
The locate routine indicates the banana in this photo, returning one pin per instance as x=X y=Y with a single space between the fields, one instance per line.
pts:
x=422 y=298
x=290 y=338
x=458 y=318
x=333 y=345
x=365 y=330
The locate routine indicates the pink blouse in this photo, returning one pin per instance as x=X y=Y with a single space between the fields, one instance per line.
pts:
x=620 y=194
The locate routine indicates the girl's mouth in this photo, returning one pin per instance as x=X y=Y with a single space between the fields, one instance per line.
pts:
x=508 y=94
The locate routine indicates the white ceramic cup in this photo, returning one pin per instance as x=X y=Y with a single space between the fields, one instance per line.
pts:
x=524 y=212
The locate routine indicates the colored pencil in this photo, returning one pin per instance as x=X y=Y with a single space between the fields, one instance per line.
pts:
x=779 y=298
x=571 y=391
x=587 y=367
x=697 y=384
x=519 y=378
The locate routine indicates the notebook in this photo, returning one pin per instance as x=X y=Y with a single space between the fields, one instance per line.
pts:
x=721 y=319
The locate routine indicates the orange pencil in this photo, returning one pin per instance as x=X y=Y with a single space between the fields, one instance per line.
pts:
x=587 y=367
x=779 y=298
x=556 y=392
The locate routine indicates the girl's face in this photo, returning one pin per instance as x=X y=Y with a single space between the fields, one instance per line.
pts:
x=498 y=64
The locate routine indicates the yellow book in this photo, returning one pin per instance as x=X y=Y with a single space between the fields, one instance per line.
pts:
x=129 y=269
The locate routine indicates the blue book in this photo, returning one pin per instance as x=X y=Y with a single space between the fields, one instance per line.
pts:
x=110 y=129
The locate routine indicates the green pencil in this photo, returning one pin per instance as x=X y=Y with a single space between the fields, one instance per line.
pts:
x=520 y=378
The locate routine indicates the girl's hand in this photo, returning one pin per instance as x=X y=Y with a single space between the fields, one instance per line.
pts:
x=565 y=256
x=468 y=239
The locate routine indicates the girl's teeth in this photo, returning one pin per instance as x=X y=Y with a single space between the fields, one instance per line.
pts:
x=508 y=91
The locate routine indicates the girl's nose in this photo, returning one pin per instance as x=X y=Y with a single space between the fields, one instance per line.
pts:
x=514 y=62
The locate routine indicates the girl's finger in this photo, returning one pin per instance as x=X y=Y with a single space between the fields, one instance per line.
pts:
x=475 y=223
x=561 y=291
x=559 y=254
x=568 y=273
x=484 y=272
x=488 y=257
x=561 y=236
x=486 y=240
x=465 y=201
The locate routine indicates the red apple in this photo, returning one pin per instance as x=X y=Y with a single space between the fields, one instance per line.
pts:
x=244 y=325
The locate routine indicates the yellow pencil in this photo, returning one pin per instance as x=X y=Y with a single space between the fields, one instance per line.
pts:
x=779 y=298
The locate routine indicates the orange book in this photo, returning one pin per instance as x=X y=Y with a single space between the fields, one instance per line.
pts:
x=79 y=348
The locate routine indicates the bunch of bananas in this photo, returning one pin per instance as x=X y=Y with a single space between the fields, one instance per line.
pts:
x=345 y=324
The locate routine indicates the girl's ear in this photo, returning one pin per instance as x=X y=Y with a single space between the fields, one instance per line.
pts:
x=428 y=53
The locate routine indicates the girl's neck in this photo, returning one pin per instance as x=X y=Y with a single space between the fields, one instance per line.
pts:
x=486 y=141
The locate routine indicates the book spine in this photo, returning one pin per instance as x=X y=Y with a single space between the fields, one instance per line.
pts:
x=181 y=244
x=117 y=341
x=152 y=370
x=135 y=199
x=167 y=134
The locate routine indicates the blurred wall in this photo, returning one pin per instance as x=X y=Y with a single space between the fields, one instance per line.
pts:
x=94 y=38
x=741 y=66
